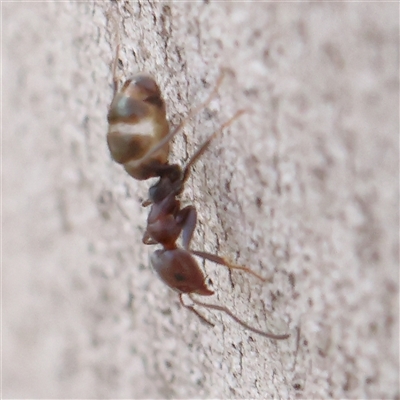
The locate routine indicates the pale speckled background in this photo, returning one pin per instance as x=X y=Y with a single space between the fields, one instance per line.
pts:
x=304 y=189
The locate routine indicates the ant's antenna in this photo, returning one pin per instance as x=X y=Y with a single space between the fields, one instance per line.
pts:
x=236 y=319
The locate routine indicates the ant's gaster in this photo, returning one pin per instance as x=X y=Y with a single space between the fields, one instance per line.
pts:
x=138 y=138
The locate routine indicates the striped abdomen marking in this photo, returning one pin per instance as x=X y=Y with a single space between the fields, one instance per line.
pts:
x=137 y=122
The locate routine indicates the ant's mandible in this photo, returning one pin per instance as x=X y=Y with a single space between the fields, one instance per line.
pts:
x=138 y=138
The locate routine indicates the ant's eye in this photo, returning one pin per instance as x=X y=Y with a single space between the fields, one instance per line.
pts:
x=179 y=277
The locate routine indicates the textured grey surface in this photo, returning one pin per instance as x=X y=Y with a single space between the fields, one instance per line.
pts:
x=304 y=189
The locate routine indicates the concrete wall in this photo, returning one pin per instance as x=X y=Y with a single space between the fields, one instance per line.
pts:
x=304 y=190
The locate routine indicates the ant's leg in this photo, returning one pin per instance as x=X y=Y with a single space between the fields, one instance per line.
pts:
x=115 y=26
x=191 y=114
x=191 y=308
x=204 y=146
x=187 y=218
x=236 y=319
x=221 y=261
x=146 y=203
x=114 y=71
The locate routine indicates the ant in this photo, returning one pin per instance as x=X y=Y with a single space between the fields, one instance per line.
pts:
x=138 y=138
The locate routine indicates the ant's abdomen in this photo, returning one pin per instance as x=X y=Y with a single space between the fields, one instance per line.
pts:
x=137 y=122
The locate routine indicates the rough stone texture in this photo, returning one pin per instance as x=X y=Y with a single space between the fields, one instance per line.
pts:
x=304 y=189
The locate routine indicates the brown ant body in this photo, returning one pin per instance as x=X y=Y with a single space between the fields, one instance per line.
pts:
x=138 y=138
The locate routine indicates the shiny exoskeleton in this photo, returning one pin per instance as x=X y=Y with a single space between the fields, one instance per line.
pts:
x=138 y=138
x=175 y=265
x=137 y=122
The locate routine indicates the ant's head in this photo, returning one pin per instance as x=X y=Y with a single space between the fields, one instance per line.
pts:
x=179 y=270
